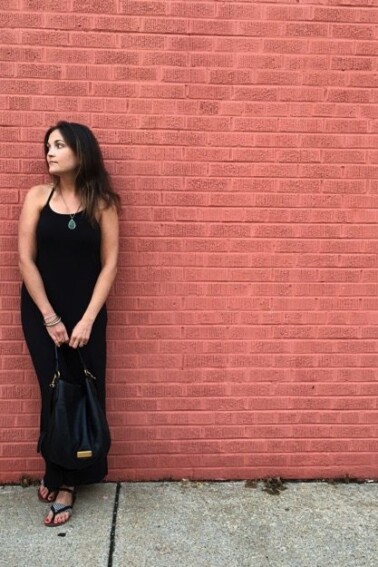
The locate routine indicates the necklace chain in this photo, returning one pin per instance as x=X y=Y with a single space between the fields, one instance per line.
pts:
x=71 y=223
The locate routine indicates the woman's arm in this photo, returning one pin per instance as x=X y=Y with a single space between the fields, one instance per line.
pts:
x=27 y=249
x=109 y=255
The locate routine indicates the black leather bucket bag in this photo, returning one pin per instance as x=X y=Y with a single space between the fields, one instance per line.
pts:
x=77 y=433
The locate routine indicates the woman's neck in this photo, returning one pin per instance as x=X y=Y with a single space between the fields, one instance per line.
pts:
x=66 y=185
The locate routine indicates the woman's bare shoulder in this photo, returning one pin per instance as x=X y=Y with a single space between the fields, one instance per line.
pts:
x=38 y=194
x=40 y=190
x=105 y=209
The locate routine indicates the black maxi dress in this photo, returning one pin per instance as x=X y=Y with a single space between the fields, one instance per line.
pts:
x=69 y=263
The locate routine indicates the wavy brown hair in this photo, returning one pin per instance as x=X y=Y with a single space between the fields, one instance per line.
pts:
x=93 y=182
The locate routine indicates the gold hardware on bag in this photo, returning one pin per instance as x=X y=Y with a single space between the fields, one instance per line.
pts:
x=89 y=374
x=55 y=379
x=84 y=454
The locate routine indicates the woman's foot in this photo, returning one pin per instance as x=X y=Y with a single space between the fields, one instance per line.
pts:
x=61 y=511
x=46 y=495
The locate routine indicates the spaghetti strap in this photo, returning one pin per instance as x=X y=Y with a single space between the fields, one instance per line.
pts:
x=51 y=194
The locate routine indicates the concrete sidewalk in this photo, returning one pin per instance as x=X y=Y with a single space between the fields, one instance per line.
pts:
x=196 y=524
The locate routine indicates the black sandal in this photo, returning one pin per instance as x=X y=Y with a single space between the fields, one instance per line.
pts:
x=58 y=508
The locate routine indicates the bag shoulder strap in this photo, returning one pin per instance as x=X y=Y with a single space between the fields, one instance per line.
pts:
x=85 y=368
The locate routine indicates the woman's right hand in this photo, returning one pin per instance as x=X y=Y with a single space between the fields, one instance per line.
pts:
x=58 y=334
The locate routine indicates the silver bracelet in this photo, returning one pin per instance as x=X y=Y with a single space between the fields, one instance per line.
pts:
x=53 y=322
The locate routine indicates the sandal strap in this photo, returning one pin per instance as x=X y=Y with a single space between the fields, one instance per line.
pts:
x=64 y=489
x=57 y=508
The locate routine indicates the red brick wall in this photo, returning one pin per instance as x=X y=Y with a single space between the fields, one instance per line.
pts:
x=243 y=137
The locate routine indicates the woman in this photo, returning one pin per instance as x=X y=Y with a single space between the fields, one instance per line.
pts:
x=68 y=247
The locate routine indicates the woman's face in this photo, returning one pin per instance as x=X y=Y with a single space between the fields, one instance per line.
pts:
x=60 y=158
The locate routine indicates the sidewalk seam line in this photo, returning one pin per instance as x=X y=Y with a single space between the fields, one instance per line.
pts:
x=114 y=525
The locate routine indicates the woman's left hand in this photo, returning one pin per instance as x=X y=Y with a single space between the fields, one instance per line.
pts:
x=80 y=334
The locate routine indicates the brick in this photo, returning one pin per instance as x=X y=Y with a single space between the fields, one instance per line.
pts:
x=327 y=46
x=20 y=20
x=237 y=11
x=69 y=21
x=261 y=61
x=307 y=29
x=19 y=103
x=288 y=13
x=162 y=91
x=44 y=5
x=143 y=8
x=370 y=15
x=260 y=29
x=111 y=89
x=134 y=74
x=57 y=38
x=208 y=92
x=256 y=124
x=182 y=43
x=342 y=14
x=166 y=26
x=310 y=94
x=35 y=70
x=348 y=96
x=116 y=57
x=237 y=44
x=18 y=54
x=97 y=39
x=256 y=93
x=116 y=24
x=319 y=62
x=213 y=27
x=342 y=156
x=9 y=37
x=71 y=88
x=231 y=77
x=140 y=41
x=106 y=6
x=356 y=32
x=352 y=64
x=69 y=56
x=24 y=119
x=317 y=79
x=8 y=69
x=285 y=46
x=321 y=140
x=192 y=10
x=363 y=80
x=211 y=60
x=298 y=156
x=180 y=75
x=366 y=48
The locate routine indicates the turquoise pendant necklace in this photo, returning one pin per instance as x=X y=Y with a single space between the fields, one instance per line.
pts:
x=71 y=223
